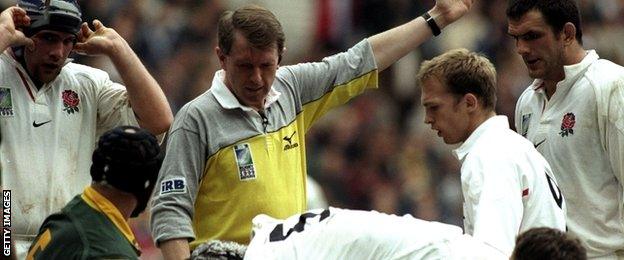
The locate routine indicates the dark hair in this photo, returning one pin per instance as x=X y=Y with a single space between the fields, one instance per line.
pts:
x=257 y=24
x=463 y=72
x=548 y=243
x=556 y=13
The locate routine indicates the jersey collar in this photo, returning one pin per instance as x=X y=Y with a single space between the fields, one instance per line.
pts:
x=226 y=98
x=572 y=72
x=495 y=122
x=98 y=202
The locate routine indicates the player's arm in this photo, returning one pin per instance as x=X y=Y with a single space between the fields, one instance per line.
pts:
x=175 y=249
x=173 y=200
x=10 y=19
x=615 y=131
x=146 y=97
x=391 y=45
x=496 y=201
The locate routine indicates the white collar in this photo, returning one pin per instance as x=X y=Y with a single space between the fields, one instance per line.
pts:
x=226 y=98
x=572 y=72
x=495 y=122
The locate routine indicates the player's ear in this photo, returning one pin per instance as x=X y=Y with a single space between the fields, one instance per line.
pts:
x=472 y=103
x=221 y=56
x=569 y=33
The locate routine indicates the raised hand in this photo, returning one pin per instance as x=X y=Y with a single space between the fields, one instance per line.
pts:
x=10 y=20
x=103 y=40
x=448 y=11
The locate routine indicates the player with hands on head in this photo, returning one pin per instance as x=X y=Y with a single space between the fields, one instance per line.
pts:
x=52 y=110
x=254 y=161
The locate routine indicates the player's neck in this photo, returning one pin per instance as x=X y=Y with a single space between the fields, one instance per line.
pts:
x=480 y=118
x=123 y=201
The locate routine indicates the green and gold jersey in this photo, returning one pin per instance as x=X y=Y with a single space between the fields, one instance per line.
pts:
x=89 y=227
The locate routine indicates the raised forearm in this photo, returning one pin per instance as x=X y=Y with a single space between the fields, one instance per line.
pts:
x=146 y=97
x=391 y=45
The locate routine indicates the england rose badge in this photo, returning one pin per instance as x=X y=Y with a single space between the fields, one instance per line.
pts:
x=567 y=124
x=70 y=101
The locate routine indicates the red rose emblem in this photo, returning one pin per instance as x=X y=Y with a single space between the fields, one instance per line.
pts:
x=567 y=124
x=568 y=121
x=70 y=101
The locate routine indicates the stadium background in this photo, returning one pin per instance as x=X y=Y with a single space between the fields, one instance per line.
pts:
x=374 y=153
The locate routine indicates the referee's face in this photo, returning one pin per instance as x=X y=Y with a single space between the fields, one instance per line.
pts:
x=444 y=111
x=249 y=71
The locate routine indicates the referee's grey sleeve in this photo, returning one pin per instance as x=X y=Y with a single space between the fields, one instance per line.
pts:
x=178 y=180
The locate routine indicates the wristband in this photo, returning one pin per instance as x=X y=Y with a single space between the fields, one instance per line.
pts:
x=435 y=29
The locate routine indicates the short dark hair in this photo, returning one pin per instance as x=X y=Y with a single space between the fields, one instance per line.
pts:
x=257 y=24
x=548 y=243
x=556 y=13
x=463 y=72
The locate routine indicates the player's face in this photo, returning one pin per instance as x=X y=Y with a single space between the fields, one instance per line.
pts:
x=541 y=49
x=444 y=111
x=46 y=58
x=249 y=72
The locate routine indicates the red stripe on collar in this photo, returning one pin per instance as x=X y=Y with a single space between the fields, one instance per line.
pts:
x=25 y=83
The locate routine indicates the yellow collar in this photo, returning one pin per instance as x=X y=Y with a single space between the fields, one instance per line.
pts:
x=103 y=205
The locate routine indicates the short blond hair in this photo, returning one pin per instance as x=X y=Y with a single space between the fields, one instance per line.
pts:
x=463 y=72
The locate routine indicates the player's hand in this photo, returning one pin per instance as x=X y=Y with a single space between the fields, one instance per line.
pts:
x=446 y=12
x=102 y=40
x=11 y=19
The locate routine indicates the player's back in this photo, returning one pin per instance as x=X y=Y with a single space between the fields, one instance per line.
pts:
x=351 y=234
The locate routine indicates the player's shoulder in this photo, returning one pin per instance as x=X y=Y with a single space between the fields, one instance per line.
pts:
x=84 y=70
x=58 y=238
x=527 y=95
x=603 y=72
x=83 y=75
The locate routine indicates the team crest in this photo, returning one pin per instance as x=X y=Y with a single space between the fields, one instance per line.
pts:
x=6 y=103
x=70 y=101
x=525 y=124
x=567 y=124
x=244 y=161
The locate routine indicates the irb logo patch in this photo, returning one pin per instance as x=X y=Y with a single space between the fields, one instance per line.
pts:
x=244 y=161
x=176 y=185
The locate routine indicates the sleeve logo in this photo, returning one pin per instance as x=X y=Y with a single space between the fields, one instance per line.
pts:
x=176 y=185
x=525 y=124
x=6 y=103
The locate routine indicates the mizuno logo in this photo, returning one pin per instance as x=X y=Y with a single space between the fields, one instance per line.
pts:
x=35 y=124
x=538 y=144
x=290 y=144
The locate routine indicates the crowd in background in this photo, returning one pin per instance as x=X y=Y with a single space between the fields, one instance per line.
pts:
x=374 y=153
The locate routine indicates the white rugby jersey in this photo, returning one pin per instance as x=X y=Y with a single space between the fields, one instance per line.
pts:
x=508 y=186
x=580 y=131
x=48 y=136
x=354 y=234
